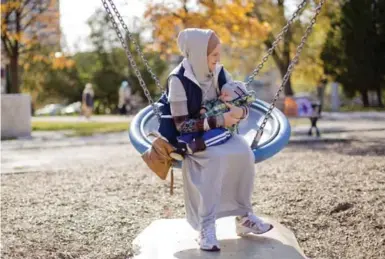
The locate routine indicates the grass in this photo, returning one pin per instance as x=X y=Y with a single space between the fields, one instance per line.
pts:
x=81 y=128
x=90 y=128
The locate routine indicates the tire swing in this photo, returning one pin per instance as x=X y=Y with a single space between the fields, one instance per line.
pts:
x=266 y=138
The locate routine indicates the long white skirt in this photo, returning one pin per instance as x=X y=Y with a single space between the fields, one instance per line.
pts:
x=218 y=182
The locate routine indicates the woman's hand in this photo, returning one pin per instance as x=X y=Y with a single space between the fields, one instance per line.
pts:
x=229 y=120
x=235 y=111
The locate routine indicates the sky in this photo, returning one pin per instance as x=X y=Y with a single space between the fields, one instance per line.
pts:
x=74 y=15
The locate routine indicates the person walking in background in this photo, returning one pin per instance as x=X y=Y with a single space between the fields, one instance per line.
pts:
x=317 y=107
x=88 y=100
x=124 y=98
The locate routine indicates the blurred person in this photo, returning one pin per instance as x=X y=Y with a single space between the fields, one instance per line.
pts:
x=124 y=98
x=88 y=100
x=317 y=107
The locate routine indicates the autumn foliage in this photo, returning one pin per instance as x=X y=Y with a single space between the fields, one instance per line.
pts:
x=27 y=26
x=230 y=20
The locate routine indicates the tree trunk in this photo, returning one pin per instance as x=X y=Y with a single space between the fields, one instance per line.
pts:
x=286 y=61
x=14 y=59
x=287 y=38
x=379 y=97
x=288 y=90
x=282 y=61
x=14 y=71
x=8 y=79
x=365 y=98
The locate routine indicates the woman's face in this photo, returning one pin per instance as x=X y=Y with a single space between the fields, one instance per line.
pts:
x=214 y=57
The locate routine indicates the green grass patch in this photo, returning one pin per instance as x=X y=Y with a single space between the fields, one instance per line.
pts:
x=90 y=128
x=81 y=128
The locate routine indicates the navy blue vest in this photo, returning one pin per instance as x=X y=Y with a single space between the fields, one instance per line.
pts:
x=167 y=126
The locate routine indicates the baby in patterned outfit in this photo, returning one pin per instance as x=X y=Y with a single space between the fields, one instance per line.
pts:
x=234 y=92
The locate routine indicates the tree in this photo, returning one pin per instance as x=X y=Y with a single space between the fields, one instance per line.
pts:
x=25 y=23
x=353 y=54
x=50 y=77
x=111 y=65
x=227 y=18
x=378 y=7
x=246 y=27
x=309 y=67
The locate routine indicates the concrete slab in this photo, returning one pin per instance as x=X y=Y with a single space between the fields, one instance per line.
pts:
x=15 y=115
x=175 y=239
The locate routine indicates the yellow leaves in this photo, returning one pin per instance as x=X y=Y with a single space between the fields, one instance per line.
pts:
x=9 y=6
x=54 y=60
x=59 y=61
x=39 y=58
x=35 y=22
x=15 y=36
x=62 y=63
x=229 y=19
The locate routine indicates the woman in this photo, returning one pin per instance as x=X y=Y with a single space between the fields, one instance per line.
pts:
x=124 y=98
x=88 y=100
x=219 y=181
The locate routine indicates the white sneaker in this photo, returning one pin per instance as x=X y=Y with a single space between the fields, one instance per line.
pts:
x=208 y=239
x=251 y=224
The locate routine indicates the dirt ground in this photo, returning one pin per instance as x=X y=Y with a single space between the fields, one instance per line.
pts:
x=331 y=194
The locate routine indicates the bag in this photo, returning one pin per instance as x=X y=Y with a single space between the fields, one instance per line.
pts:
x=157 y=157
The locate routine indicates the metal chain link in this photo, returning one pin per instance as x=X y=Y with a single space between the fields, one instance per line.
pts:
x=275 y=43
x=131 y=59
x=293 y=62
x=137 y=47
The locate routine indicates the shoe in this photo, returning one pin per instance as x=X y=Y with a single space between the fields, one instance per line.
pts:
x=251 y=224
x=208 y=239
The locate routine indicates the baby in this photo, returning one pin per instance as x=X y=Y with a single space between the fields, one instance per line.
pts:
x=234 y=92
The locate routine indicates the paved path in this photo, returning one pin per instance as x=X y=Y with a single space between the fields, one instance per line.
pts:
x=354 y=115
x=54 y=150
x=116 y=118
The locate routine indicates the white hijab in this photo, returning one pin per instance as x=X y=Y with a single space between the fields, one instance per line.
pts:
x=193 y=43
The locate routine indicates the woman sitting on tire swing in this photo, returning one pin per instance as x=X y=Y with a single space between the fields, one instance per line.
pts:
x=218 y=181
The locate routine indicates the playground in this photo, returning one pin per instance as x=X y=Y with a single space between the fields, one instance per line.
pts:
x=329 y=193
x=145 y=146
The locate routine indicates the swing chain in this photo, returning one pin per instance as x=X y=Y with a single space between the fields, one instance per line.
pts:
x=293 y=62
x=131 y=59
x=275 y=43
x=137 y=47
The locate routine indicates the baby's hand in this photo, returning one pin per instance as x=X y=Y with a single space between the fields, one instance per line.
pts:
x=225 y=97
x=202 y=111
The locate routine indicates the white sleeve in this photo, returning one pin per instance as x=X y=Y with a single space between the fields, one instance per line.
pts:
x=176 y=90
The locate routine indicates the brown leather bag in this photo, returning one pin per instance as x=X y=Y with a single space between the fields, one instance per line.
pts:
x=158 y=158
